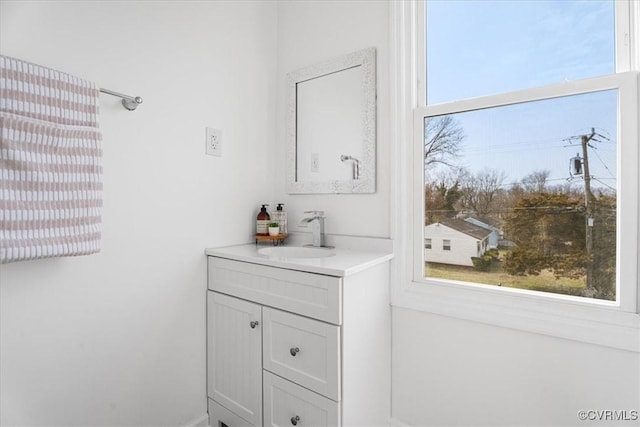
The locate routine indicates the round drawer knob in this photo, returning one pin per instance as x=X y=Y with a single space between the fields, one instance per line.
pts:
x=253 y=324
x=294 y=351
x=295 y=420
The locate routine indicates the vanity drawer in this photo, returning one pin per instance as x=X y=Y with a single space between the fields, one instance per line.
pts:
x=219 y=416
x=287 y=404
x=302 y=350
x=313 y=295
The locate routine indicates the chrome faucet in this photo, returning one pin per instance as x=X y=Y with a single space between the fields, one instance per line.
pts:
x=316 y=219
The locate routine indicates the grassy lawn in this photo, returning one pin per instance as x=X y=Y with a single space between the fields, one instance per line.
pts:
x=545 y=282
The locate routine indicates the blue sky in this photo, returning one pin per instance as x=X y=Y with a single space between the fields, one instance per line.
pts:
x=511 y=45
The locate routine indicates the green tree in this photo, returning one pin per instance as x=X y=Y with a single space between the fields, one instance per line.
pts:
x=548 y=230
x=440 y=200
x=604 y=246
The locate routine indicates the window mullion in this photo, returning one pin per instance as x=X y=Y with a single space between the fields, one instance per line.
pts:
x=416 y=236
x=421 y=58
x=623 y=36
x=576 y=87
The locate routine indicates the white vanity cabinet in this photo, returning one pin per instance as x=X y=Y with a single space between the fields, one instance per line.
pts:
x=297 y=348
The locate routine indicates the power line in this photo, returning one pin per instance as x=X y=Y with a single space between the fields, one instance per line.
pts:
x=606 y=185
x=556 y=209
x=520 y=183
x=603 y=164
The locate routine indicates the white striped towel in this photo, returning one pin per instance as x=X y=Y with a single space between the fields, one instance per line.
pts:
x=50 y=163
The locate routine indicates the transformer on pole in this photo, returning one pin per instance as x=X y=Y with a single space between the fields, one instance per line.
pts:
x=575 y=165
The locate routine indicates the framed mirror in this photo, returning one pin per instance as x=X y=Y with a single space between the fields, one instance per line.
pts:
x=331 y=126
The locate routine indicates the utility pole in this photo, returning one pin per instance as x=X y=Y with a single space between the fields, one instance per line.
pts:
x=588 y=209
x=585 y=141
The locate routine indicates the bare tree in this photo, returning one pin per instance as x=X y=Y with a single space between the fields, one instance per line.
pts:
x=479 y=191
x=536 y=181
x=442 y=138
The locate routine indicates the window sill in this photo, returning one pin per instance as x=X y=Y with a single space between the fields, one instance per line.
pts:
x=598 y=323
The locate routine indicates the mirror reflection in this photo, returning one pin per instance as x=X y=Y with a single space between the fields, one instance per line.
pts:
x=331 y=124
x=328 y=125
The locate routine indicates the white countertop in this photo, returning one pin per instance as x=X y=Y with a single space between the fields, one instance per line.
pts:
x=345 y=262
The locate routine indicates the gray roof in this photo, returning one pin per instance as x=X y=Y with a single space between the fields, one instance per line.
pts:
x=489 y=221
x=467 y=228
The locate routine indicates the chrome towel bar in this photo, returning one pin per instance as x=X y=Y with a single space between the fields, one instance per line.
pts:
x=128 y=102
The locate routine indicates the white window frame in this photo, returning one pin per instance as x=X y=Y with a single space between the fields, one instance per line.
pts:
x=614 y=324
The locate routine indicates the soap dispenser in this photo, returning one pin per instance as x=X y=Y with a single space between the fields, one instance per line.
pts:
x=262 y=221
x=280 y=216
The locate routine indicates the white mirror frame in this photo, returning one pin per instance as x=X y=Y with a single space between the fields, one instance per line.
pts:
x=367 y=175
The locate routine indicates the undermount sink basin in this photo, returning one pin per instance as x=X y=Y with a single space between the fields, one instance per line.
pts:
x=296 y=252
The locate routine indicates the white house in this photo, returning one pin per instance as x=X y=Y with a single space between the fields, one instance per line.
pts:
x=454 y=241
x=496 y=233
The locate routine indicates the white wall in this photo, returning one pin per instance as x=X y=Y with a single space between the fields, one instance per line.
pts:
x=451 y=372
x=314 y=31
x=118 y=338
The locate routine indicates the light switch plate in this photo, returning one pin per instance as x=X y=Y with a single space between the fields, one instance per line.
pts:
x=214 y=142
x=315 y=163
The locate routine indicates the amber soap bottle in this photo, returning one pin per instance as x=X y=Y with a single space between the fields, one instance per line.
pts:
x=262 y=221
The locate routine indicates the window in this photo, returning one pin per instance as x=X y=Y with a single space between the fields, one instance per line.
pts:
x=511 y=169
x=547 y=79
x=502 y=131
x=427 y=243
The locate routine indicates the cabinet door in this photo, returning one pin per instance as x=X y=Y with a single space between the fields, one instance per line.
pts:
x=234 y=329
